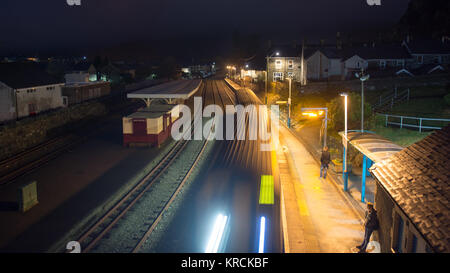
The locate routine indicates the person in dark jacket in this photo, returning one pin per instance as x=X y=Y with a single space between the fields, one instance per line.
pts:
x=324 y=161
x=370 y=224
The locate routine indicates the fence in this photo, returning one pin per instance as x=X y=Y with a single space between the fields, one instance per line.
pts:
x=389 y=101
x=415 y=122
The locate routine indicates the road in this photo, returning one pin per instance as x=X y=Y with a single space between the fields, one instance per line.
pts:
x=229 y=184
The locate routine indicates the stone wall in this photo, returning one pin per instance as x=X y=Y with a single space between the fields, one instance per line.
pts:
x=18 y=136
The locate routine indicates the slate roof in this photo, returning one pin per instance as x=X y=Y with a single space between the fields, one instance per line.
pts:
x=179 y=89
x=329 y=52
x=256 y=62
x=418 y=180
x=285 y=51
x=81 y=66
x=387 y=52
x=428 y=47
x=20 y=75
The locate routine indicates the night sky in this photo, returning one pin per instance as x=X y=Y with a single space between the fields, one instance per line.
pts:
x=52 y=24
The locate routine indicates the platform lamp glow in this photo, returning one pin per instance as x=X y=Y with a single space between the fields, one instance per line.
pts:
x=345 y=141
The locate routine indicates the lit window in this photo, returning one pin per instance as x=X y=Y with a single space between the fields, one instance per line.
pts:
x=290 y=75
x=290 y=64
x=277 y=64
x=277 y=76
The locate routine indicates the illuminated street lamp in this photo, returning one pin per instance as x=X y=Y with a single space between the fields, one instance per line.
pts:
x=345 y=141
x=362 y=78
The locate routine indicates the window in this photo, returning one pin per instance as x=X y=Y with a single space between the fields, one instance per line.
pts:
x=382 y=64
x=290 y=64
x=290 y=75
x=278 y=64
x=277 y=76
x=401 y=63
x=399 y=234
x=438 y=59
x=51 y=88
x=420 y=59
x=414 y=244
x=399 y=239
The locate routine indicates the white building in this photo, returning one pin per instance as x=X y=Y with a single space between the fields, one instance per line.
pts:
x=26 y=89
x=324 y=64
x=428 y=51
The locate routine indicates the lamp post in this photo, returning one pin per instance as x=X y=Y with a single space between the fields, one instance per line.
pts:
x=362 y=78
x=267 y=71
x=289 y=103
x=243 y=78
x=265 y=87
x=345 y=141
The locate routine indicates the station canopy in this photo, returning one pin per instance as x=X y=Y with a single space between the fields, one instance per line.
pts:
x=179 y=89
x=374 y=146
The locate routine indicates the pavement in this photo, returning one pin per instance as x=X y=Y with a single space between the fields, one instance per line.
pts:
x=318 y=218
x=308 y=134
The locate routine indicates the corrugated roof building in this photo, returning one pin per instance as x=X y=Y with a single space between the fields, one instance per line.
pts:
x=412 y=197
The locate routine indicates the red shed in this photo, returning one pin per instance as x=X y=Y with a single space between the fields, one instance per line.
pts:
x=149 y=125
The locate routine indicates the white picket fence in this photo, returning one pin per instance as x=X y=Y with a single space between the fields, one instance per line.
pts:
x=417 y=122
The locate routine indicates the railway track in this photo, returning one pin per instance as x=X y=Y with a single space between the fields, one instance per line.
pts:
x=28 y=160
x=129 y=223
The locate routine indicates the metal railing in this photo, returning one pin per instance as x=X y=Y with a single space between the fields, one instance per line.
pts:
x=392 y=99
x=415 y=122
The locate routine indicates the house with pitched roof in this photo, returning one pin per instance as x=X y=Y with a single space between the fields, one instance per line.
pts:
x=27 y=89
x=286 y=62
x=413 y=197
x=375 y=58
x=428 y=52
x=324 y=63
x=333 y=63
x=280 y=62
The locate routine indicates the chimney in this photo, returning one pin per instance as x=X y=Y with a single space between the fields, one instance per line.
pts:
x=269 y=44
x=338 y=40
x=322 y=42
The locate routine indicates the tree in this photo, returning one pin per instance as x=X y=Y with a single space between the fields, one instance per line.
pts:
x=426 y=18
x=336 y=113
